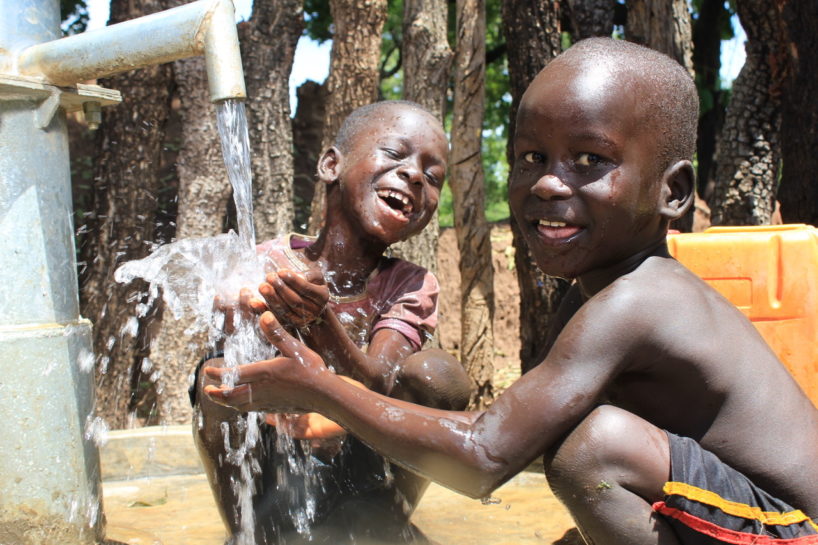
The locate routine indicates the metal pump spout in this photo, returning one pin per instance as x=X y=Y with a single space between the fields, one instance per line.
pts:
x=205 y=27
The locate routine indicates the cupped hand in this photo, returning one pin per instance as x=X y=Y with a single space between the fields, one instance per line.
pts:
x=297 y=299
x=235 y=308
x=281 y=384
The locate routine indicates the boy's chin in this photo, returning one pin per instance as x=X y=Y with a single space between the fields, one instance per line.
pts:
x=558 y=269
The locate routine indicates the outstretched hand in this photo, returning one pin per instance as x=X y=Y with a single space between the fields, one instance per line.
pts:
x=280 y=384
x=296 y=299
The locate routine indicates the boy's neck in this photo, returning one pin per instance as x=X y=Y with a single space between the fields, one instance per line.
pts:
x=346 y=259
x=595 y=281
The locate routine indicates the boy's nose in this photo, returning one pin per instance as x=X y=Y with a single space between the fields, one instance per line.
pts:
x=550 y=187
x=410 y=173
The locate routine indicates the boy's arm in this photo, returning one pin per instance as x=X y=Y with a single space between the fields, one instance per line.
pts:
x=375 y=368
x=297 y=299
x=569 y=305
x=472 y=453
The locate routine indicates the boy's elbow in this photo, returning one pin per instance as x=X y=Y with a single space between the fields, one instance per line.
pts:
x=482 y=484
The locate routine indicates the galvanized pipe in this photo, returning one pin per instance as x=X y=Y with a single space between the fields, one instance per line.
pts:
x=205 y=27
x=49 y=469
x=49 y=473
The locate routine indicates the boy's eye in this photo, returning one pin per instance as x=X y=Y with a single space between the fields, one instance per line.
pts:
x=533 y=157
x=394 y=154
x=588 y=159
x=432 y=179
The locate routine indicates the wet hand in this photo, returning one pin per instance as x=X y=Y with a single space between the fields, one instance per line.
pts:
x=280 y=384
x=237 y=308
x=310 y=425
x=296 y=299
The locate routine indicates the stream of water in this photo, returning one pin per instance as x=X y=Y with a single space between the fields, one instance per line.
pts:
x=187 y=275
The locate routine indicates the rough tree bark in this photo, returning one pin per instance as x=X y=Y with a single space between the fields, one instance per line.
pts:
x=748 y=152
x=122 y=227
x=202 y=201
x=591 y=18
x=664 y=25
x=427 y=61
x=308 y=125
x=707 y=30
x=535 y=44
x=353 y=73
x=466 y=179
x=268 y=43
x=798 y=193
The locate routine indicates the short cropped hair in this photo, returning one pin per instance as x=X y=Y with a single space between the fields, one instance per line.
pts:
x=670 y=93
x=359 y=117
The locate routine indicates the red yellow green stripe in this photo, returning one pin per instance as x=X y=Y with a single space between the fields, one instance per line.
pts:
x=736 y=509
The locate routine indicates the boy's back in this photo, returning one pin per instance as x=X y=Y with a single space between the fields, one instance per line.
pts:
x=685 y=359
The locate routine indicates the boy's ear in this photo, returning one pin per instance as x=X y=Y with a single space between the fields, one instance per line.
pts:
x=329 y=165
x=678 y=187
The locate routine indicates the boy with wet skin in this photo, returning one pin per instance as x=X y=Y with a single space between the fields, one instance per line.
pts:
x=660 y=413
x=367 y=315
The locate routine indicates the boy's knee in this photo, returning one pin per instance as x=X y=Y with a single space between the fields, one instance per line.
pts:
x=433 y=378
x=609 y=446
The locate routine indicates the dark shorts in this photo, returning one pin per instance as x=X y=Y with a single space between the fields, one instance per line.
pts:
x=708 y=502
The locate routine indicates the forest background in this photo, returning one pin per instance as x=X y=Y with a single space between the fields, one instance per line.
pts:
x=153 y=171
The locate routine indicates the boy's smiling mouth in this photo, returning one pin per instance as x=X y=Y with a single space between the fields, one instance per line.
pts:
x=398 y=203
x=556 y=230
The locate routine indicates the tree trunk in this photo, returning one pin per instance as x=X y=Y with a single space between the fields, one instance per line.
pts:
x=204 y=188
x=126 y=202
x=707 y=30
x=268 y=43
x=799 y=128
x=664 y=25
x=427 y=61
x=473 y=233
x=308 y=126
x=204 y=192
x=535 y=46
x=353 y=74
x=748 y=153
x=591 y=18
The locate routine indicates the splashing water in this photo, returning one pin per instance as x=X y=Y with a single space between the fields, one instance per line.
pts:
x=188 y=274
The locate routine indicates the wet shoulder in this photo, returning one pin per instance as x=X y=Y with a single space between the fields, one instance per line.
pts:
x=659 y=292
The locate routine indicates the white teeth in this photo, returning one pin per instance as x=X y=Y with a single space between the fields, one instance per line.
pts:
x=407 y=205
x=546 y=223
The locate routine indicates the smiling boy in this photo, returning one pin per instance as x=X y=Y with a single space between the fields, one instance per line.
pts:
x=660 y=413
x=368 y=316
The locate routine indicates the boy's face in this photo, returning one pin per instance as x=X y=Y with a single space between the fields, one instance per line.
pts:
x=584 y=188
x=393 y=172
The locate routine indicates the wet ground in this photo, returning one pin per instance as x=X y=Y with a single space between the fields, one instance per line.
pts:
x=156 y=494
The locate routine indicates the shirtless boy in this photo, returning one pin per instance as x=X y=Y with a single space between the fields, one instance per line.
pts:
x=656 y=391
x=368 y=316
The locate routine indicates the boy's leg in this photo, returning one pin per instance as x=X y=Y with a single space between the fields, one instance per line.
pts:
x=608 y=472
x=210 y=423
x=433 y=378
